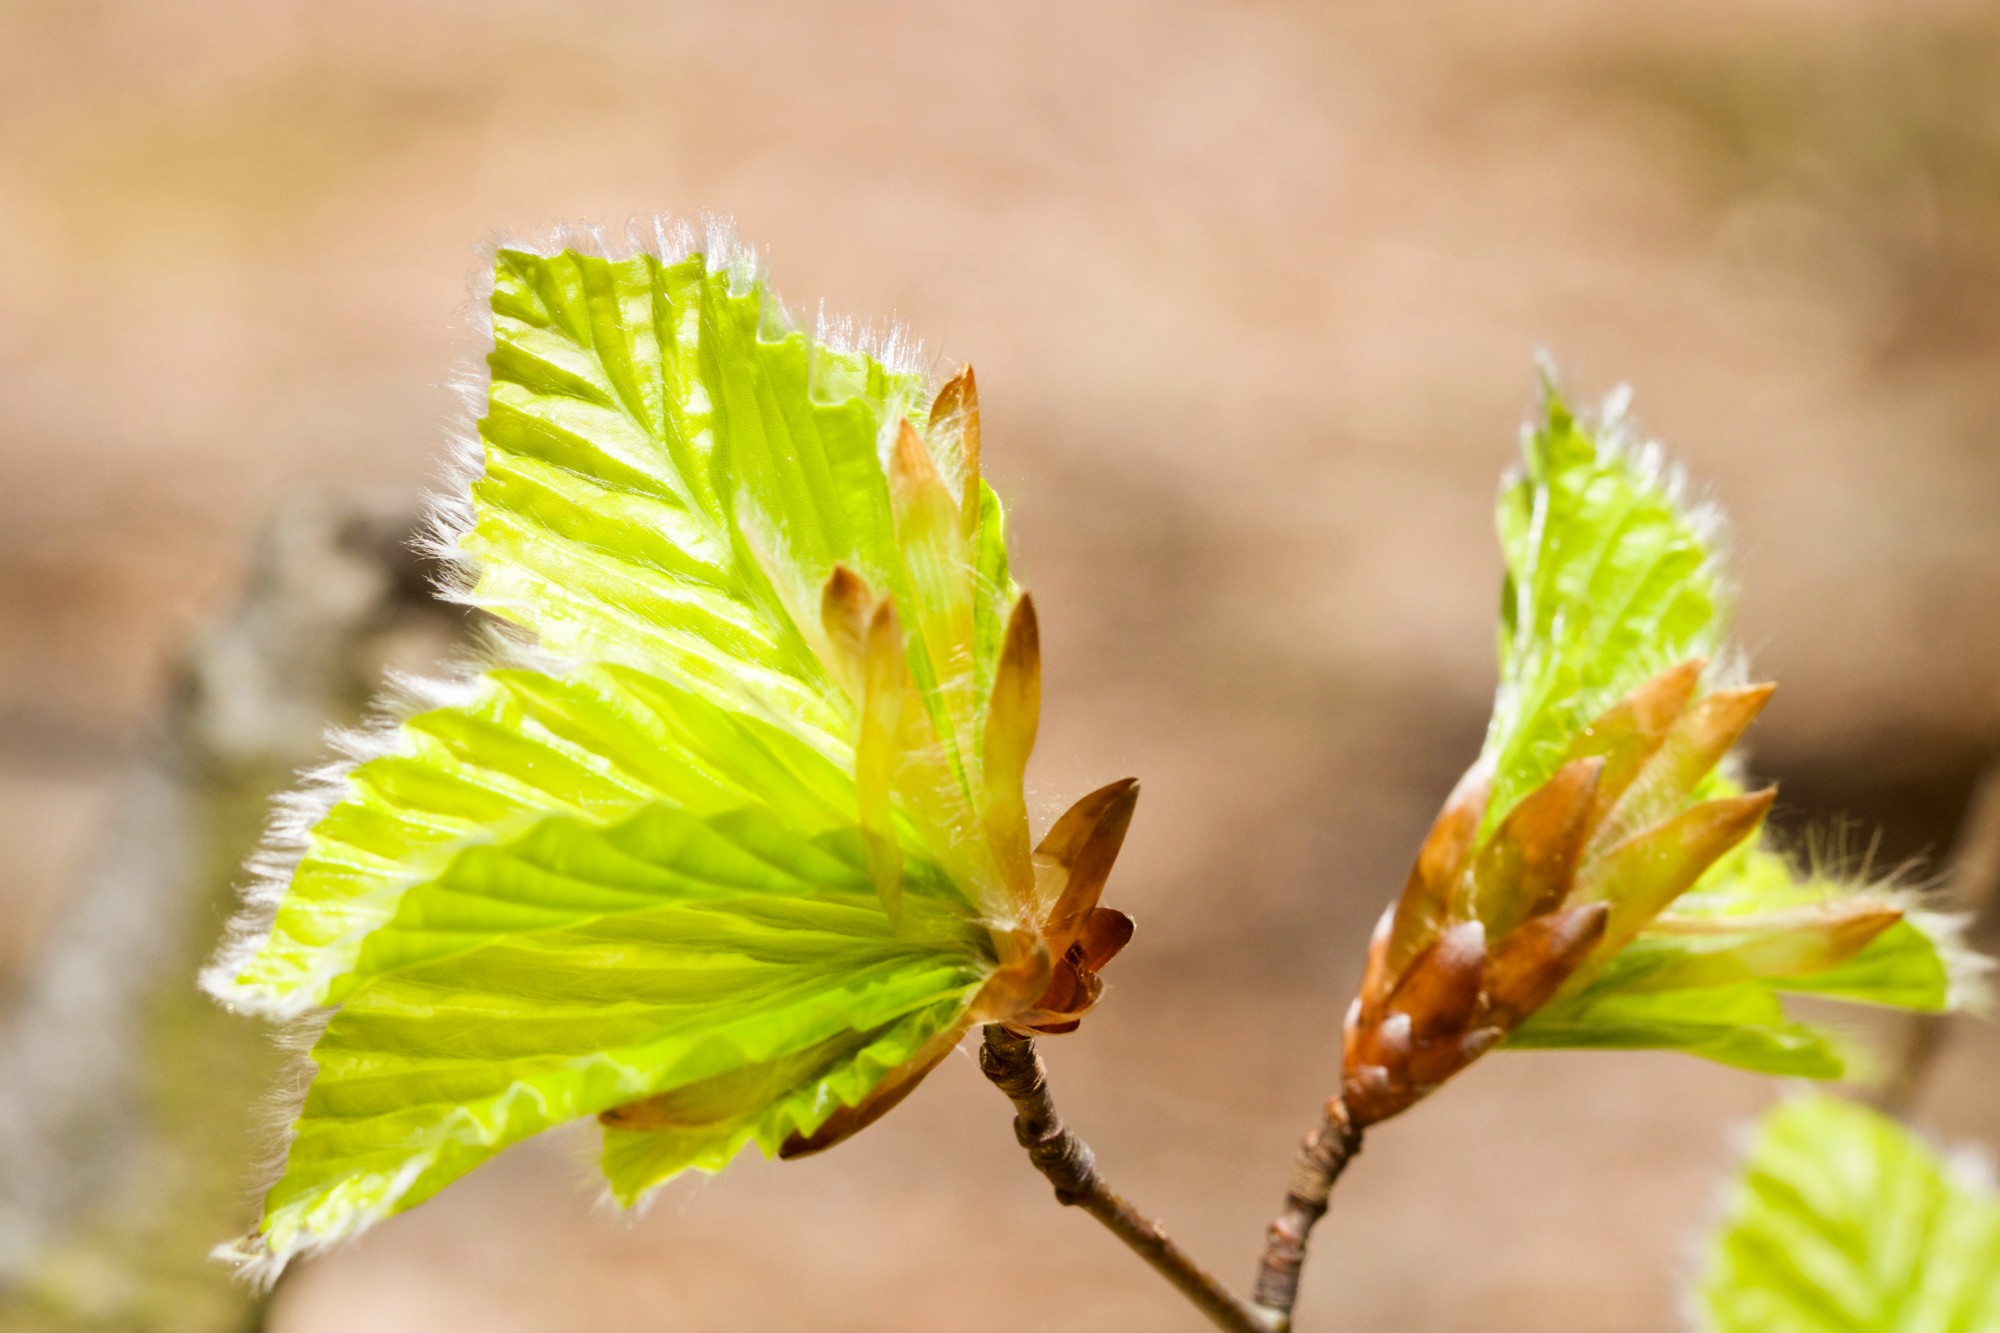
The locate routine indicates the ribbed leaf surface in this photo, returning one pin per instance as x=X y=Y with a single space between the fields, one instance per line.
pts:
x=575 y=969
x=1841 y=1221
x=631 y=865
x=1609 y=581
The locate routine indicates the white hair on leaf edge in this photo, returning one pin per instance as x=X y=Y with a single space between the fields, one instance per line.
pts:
x=297 y=810
x=449 y=517
x=835 y=341
x=259 y=1265
x=277 y=1115
x=1968 y=972
x=1620 y=439
x=715 y=238
x=1967 y=1166
x=1830 y=859
x=1619 y=442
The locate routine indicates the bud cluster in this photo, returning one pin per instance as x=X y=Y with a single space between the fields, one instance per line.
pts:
x=1492 y=925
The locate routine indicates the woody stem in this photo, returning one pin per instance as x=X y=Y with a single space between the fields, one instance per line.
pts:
x=1013 y=1066
x=1323 y=1155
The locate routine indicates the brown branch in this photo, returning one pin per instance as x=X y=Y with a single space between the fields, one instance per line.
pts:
x=1013 y=1066
x=1972 y=886
x=1323 y=1155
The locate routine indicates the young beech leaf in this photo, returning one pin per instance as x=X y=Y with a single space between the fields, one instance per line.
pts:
x=730 y=845
x=1599 y=878
x=1841 y=1219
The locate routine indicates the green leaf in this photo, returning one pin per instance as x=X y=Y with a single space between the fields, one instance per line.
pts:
x=1740 y=1025
x=577 y=969
x=1611 y=581
x=1842 y=1221
x=1916 y=964
x=1921 y=962
x=597 y=742
x=633 y=867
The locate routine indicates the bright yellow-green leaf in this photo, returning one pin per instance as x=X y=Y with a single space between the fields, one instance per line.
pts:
x=1611 y=579
x=1614 y=645
x=626 y=868
x=1842 y=1221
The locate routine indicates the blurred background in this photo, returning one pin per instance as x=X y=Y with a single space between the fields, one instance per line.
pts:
x=1253 y=291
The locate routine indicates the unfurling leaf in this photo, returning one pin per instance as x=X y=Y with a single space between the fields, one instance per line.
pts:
x=1079 y=935
x=1529 y=864
x=1601 y=852
x=1842 y=1219
x=737 y=849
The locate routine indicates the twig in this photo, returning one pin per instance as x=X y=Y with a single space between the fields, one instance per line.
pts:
x=1972 y=886
x=1013 y=1066
x=1323 y=1155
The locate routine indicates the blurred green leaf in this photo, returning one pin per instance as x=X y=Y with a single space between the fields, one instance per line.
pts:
x=1842 y=1221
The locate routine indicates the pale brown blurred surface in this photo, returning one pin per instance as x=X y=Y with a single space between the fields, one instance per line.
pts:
x=1252 y=291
